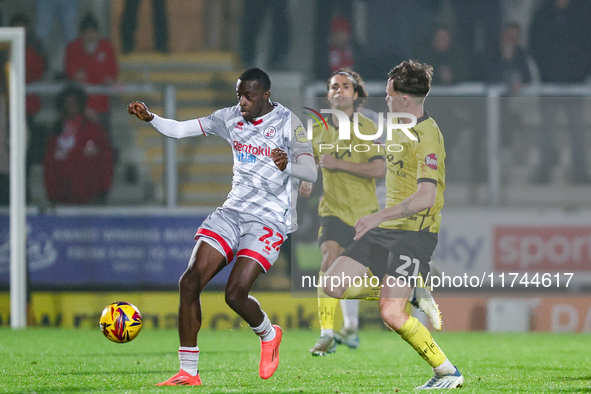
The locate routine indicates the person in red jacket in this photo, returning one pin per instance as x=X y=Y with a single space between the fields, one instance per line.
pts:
x=90 y=60
x=78 y=159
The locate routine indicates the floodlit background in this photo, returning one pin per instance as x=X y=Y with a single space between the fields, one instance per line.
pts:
x=511 y=95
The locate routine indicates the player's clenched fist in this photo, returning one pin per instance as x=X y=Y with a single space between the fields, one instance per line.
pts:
x=140 y=110
x=305 y=189
x=280 y=158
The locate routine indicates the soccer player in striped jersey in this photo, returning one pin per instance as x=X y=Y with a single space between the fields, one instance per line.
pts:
x=270 y=149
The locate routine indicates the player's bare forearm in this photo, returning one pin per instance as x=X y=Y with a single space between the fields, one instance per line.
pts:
x=422 y=199
x=140 y=110
x=372 y=169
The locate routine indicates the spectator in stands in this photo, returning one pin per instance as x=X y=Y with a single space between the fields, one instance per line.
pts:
x=513 y=71
x=450 y=63
x=129 y=25
x=91 y=60
x=78 y=160
x=393 y=32
x=35 y=68
x=324 y=13
x=253 y=17
x=559 y=43
x=479 y=24
x=48 y=11
x=514 y=68
x=340 y=45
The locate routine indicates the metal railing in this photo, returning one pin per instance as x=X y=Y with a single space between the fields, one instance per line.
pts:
x=493 y=95
x=169 y=99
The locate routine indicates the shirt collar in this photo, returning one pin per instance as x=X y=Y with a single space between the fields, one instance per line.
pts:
x=261 y=119
x=424 y=117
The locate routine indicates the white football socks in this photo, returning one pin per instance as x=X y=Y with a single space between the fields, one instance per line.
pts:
x=265 y=331
x=189 y=357
x=329 y=332
x=350 y=310
x=447 y=368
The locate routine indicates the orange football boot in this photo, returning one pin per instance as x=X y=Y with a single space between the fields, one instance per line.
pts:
x=270 y=354
x=182 y=378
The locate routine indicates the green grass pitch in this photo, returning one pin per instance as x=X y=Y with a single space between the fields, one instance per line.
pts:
x=62 y=361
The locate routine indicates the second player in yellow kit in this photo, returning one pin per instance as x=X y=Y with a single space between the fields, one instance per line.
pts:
x=349 y=170
x=347 y=195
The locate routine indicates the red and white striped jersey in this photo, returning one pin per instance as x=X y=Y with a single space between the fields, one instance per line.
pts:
x=258 y=186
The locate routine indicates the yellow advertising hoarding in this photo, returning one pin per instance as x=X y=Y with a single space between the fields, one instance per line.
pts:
x=159 y=309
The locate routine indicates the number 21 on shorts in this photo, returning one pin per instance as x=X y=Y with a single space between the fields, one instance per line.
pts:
x=402 y=269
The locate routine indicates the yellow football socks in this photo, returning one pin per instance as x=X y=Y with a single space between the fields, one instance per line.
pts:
x=327 y=307
x=421 y=340
x=362 y=292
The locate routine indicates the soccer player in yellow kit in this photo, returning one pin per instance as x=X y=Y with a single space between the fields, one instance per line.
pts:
x=405 y=233
x=349 y=169
x=349 y=193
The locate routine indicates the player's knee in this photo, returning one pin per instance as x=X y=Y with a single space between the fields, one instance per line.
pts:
x=335 y=292
x=189 y=282
x=328 y=259
x=392 y=316
x=235 y=297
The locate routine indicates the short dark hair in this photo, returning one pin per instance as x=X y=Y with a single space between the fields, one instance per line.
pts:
x=358 y=84
x=88 y=22
x=72 y=89
x=411 y=77
x=256 y=74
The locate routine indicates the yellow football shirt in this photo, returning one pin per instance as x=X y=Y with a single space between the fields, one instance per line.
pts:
x=418 y=161
x=347 y=196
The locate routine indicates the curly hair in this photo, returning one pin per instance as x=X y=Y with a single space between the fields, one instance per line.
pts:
x=358 y=85
x=411 y=77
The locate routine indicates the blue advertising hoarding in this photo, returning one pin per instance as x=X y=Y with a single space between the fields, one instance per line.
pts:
x=105 y=251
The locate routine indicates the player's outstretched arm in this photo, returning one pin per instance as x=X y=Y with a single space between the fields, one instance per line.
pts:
x=371 y=169
x=422 y=199
x=140 y=110
x=167 y=127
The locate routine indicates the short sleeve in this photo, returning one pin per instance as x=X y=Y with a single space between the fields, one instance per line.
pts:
x=216 y=123
x=300 y=144
x=428 y=153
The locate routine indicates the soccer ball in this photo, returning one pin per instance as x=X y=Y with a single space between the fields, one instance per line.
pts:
x=121 y=322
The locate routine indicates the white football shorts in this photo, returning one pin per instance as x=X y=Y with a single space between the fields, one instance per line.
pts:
x=237 y=234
